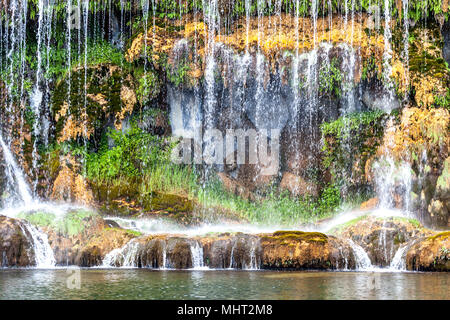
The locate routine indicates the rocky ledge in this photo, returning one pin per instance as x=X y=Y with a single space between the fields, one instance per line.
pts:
x=102 y=242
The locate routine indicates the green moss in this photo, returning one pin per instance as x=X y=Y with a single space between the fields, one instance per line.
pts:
x=330 y=79
x=148 y=88
x=70 y=224
x=171 y=203
x=298 y=236
x=103 y=79
x=442 y=236
x=344 y=226
x=353 y=138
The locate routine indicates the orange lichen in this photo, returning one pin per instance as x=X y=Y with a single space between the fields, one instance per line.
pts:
x=69 y=185
x=273 y=35
x=129 y=100
x=419 y=129
x=156 y=40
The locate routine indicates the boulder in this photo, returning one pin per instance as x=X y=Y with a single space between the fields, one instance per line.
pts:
x=305 y=250
x=235 y=187
x=430 y=253
x=298 y=186
x=381 y=238
x=15 y=244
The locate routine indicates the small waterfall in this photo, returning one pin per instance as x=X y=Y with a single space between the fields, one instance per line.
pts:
x=197 y=255
x=15 y=175
x=393 y=179
x=164 y=262
x=232 y=254
x=363 y=262
x=125 y=257
x=254 y=265
x=398 y=262
x=406 y=40
x=43 y=253
x=344 y=256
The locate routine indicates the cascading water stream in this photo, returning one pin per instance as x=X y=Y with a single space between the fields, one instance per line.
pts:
x=363 y=262
x=125 y=257
x=15 y=175
x=398 y=261
x=197 y=255
x=43 y=253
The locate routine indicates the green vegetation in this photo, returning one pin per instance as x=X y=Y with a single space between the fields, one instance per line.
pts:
x=133 y=152
x=71 y=223
x=178 y=74
x=330 y=79
x=148 y=88
x=274 y=208
x=351 y=138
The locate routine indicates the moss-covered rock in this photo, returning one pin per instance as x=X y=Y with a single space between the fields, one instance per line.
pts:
x=430 y=253
x=109 y=96
x=86 y=242
x=381 y=238
x=305 y=250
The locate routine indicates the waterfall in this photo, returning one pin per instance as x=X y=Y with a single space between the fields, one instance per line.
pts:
x=392 y=178
x=398 y=262
x=197 y=255
x=254 y=265
x=125 y=257
x=406 y=40
x=43 y=253
x=211 y=17
x=231 y=255
x=15 y=175
x=363 y=262
x=164 y=258
x=387 y=56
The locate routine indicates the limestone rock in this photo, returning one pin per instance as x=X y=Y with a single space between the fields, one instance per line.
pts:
x=381 y=238
x=298 y=186
x=15 y=246
x=430 y=253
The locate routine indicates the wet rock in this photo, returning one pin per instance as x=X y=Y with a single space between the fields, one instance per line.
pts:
x=109 y=98
x=89 y=248
x=439 y=206
x=305 y=250
x=381 y=238
x=217 y=251
x=430 y=253
x=179 y=253
x=151 y=252
x=446 y=38
x=15 y=245
x=379 y=99
x=235 y=187
x=298 y=186
x=369 y=204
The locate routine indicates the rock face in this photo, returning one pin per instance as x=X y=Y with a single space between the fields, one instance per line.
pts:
x=381 y=238
x=421 y=140
x=15 y=246
x=294 y=250
x=88 y=248
x=305 y=250
x=430 y=253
